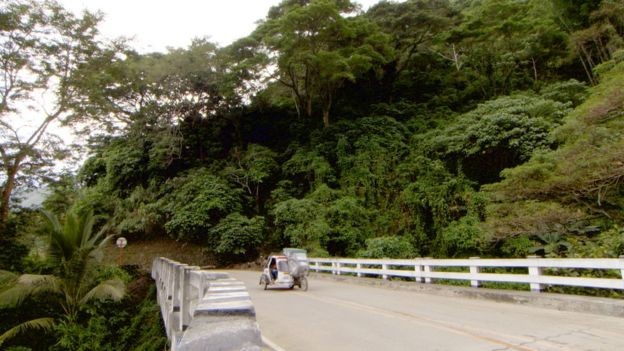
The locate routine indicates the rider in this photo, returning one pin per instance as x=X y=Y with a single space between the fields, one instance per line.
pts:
x=273 y=268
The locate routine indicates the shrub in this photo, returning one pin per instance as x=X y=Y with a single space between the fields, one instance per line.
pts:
x=388 y=247
x=461 y=238
x=236 y=237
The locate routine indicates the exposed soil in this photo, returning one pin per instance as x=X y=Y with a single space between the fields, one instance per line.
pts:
x=142 y=253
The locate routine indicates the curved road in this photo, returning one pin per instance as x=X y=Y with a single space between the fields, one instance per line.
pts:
x=339 y=316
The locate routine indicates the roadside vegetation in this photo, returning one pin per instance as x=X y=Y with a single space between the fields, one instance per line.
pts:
x=439 y=128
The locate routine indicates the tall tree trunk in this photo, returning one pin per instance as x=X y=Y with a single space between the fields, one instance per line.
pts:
x=326 y=108
x=534 y=70
x=9 y=184
x=325 y=118
x=309 y=106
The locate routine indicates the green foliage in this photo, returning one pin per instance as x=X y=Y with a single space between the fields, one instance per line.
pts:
x=115 y=326
x=145 y=331
x=310 y=166
x=334 y=50
x=139 y=215
x=302 y=223
x=609 y=243
x=432 y=103
x=463 y=238
x=604 y=36
x=571 y=91
x=367 y=153
x=252 y=170
x=388 y=247
x=13 y=252
x=92 y=336
x=432 y=198
x=350 y=226
x=196 y=203
x=498 y=134
x=551 y=245
x=518 y=247
x=43 y=47
x=236 y=238
x=458 y=128
x=576 y=181
x=125 y=165
x=505 y=45
x=74 y=248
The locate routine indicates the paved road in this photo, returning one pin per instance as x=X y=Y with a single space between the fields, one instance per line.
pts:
x=338 y=316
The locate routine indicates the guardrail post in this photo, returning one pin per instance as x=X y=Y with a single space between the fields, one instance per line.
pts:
x=169 y=293
x=474 y=270
x=175 y=293
x=418 y=272
x=384 y=268
x=535 y=270
x=358 y=268
x=185 y=292
x=317 y=266
x=333 y=267
x=622 y=266
x=338 y=268
x=427 y=270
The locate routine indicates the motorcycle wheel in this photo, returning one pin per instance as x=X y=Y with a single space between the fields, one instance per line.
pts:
x=303 y=284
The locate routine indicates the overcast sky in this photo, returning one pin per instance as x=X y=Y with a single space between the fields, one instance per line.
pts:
x=157 y=24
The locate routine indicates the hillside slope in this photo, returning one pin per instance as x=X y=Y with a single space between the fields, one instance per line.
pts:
x=574 y=194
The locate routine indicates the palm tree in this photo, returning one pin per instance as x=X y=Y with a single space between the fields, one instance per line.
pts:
x=76 y=250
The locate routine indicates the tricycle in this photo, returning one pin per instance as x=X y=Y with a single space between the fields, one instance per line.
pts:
x=286 y=270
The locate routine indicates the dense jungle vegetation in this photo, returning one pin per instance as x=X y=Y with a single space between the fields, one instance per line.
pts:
x=443 y=128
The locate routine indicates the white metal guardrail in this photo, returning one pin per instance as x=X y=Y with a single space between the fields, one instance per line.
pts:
x=427 y=270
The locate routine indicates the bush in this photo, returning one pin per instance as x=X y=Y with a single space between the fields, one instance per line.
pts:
x=388 y=247
x=519 y=246
x=236 y=238
x=302 y=223
x=13 y=252
x=461 y=238
x=197 y=202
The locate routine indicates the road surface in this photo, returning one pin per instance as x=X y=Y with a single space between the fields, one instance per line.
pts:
x=339 y=316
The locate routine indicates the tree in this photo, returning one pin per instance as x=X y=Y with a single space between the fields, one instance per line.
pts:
x=41 y=45
x=598 y=42
x=74 y=248
x=414 y=26
x=303 y=223
x=504 y=45
x=197 y=202
x=238 y=237
x=316 y=48
x=252 y=169
x=498 y=134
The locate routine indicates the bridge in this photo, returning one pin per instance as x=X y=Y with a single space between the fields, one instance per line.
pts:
x=342 y=311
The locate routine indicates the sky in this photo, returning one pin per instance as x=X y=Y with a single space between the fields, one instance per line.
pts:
x=156 y=25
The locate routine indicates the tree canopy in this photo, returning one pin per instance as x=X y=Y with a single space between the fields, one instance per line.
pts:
x=423 y=127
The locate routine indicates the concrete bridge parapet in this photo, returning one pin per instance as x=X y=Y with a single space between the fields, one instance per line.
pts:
x=204 y=309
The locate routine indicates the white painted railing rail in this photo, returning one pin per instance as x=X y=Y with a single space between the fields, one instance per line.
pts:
x=427 y=270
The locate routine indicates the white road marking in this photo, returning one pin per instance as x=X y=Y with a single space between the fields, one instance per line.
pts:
x=271 y=344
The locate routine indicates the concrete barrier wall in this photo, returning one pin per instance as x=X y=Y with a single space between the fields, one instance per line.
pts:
x=203 y=309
